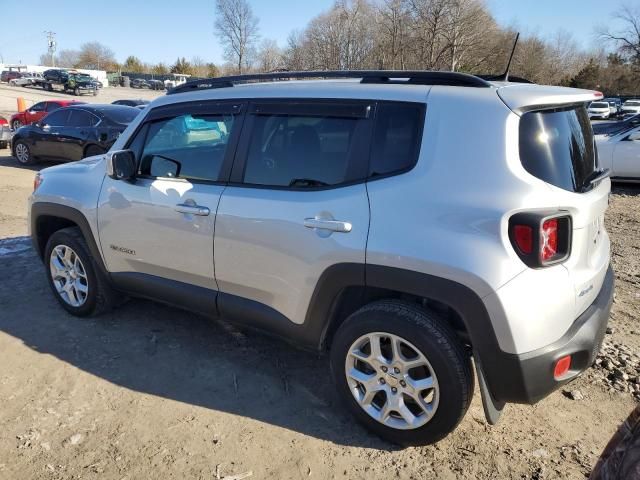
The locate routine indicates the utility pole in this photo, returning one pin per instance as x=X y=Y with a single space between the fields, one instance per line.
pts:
x=51 y=44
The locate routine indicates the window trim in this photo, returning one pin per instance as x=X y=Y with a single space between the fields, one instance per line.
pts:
x=292 y=106
x=213 y=107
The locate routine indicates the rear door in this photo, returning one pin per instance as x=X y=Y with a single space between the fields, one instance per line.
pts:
x=74 y=136
x=296 y=205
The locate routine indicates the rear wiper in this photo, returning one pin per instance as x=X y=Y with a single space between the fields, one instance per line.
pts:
x=307 y=182
x=595 y=177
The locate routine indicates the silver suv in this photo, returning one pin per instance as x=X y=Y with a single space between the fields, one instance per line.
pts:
x=417 y=225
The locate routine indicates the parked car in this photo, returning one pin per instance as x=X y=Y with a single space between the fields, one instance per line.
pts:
x=156 y=85
x=131 y=103
x=25 y=79
x=613 y=128
x=86 y=76
x=615 y=106
x=598 y=110
x=178 y=79
x=38 y=111
x=139 y=83
x=507 y=273
x=5 y=133
x=631 y=106
x=620 y=152
x=72 y=133
x=8 y=75
x=68 y=81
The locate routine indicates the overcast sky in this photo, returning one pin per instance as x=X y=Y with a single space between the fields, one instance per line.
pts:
x=162 y=30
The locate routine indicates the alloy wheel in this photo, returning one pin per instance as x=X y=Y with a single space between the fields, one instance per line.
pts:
x=68 y=275
x=392 y=381
x=22 y=153
x=16 y=124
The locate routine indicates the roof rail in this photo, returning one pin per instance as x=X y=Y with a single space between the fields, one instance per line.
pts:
x=416 y=77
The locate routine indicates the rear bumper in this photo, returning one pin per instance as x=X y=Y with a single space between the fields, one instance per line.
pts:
x=527 y=378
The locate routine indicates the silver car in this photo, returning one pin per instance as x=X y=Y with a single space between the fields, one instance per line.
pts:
x=417 y=226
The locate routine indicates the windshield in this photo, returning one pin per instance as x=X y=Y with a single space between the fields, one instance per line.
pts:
x=557 y=147
x=599 y=105
x=632 y=103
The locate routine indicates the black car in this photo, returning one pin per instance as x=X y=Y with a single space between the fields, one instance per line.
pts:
x=131 y=103
x=139 y=83
x=68 y=81
x=614 y=128
x=72 y=133
x=155 y=84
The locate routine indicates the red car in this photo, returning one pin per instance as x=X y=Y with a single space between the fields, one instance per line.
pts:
x=5 y=134
x=37 y=111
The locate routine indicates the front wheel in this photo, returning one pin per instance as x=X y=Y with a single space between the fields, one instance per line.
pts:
x=402 y=372
x=74 y=276
x=23 y=153
x=16 y=124
x=76 y=92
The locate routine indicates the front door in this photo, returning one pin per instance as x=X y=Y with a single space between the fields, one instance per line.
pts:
x=159 y=228
x=46 y=137
x=296 y=206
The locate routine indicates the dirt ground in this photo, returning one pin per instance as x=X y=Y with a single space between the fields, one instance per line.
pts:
x=152 y=392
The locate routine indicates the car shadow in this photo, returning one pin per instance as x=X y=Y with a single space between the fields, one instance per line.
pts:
x=11 y=161
x=631 y=189
x=154 y=349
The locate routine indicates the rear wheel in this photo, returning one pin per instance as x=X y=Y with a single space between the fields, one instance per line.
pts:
x=402 y=372
x=16 y=124
x=23 y=153
x=76 y=92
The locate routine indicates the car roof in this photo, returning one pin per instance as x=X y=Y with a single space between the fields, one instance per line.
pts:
x=104 y=108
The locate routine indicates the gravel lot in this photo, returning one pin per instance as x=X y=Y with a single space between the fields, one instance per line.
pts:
x=152 y=392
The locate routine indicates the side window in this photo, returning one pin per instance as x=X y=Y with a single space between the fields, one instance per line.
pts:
x=306 y=150
x=80 y=118
x=38 y=107
x=56 y=119
x=187 y=146
x=51 y=106
x=397 y=137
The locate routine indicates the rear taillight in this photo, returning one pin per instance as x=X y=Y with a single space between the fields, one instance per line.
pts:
x=541 y=239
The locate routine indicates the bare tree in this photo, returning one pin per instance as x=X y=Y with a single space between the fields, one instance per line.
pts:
x=627 y=39
x=94 y=55
x=238 y=27
x=269 y=56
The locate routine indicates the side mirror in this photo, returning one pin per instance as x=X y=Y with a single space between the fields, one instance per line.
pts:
x=634 y=136
x=121 y=165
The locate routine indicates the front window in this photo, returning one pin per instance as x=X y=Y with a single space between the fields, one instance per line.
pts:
x=188 y=146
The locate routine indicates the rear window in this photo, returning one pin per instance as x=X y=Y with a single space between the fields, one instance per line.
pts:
x=123 y=115
x=557 y=147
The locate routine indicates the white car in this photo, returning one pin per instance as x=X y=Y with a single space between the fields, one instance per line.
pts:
x=631 y=106
x=598 y=110
x=620 y=153
x=26 y=79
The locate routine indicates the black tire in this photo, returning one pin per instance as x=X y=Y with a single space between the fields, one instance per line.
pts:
x=49 y=87
x=26 y=158
x=3 y=145
x=92 y=150
x=95 y=92
x=436 y=341
x=16 y=124
x=76 y=91
x=100 y=296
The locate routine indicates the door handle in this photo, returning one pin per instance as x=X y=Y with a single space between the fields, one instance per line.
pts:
x=192 y=209
x=331 y=225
